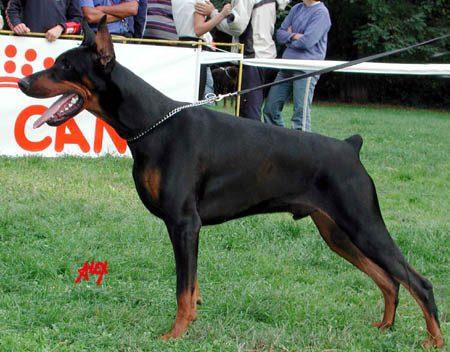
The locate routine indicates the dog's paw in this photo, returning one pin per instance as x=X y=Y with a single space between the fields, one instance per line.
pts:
x=179 y=328
x=382 y=325
x=171 y=335
x=433 y=342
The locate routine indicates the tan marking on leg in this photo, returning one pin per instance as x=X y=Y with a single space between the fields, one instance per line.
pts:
x=183 y=318
x=435 y=338
x=345 y=248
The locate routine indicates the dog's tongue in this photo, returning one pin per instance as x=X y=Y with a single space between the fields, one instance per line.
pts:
x=52 y=110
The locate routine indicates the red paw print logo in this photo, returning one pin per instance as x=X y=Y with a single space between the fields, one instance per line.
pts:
x=11 y=66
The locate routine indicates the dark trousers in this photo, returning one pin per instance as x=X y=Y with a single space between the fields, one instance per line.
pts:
x=252 y=102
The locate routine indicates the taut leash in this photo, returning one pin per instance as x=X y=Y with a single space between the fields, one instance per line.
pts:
x=340 y=66
x=212 y=98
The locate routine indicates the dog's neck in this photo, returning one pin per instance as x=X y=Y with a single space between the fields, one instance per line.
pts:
x=130 y=105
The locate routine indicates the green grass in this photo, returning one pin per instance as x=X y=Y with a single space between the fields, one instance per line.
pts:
x=269 y=283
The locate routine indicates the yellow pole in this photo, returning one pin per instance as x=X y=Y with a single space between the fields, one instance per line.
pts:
x=130 y=40
x=241 y=69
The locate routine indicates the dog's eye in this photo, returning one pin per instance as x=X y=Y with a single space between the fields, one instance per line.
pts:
x=66 y=65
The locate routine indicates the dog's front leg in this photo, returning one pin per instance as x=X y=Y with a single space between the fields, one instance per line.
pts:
x=184 y=236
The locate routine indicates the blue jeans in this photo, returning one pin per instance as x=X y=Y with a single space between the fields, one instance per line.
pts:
x=209 y=86
x=303 y=91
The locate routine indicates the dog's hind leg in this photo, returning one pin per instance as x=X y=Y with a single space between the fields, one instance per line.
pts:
x=339 y=242
x=368 y=233
x=379 y=247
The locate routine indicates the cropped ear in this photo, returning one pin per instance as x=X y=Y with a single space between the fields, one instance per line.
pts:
x=89 y=35
x=105 y=47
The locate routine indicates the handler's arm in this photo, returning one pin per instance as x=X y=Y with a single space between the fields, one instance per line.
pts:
x=73 y=16
x=284 y=36
x=93 y=15
x=74 y=12
x=240 y=18
x=319 y=25
x=13 y=11
x=124 y=9
x=201 y=26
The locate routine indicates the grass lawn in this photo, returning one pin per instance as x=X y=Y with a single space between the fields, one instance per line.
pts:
x=268 y=283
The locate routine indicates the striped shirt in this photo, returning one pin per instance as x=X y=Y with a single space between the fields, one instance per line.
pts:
x=160 y=24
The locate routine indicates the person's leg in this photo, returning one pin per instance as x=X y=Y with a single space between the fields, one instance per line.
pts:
x=275 y=101
x=202 y=84
x=312 y=88
x=209 y=87
x=303 y=97
x=270 y=75
x=251 y=103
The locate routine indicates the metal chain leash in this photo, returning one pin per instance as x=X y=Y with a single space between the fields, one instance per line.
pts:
x=210 y=98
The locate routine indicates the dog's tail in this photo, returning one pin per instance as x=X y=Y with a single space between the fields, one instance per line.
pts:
x=356 y=142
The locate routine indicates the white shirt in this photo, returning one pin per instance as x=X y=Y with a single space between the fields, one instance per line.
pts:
x=263 y=24
x=183 y=16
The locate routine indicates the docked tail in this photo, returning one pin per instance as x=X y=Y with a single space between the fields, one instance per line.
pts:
x=356 y=142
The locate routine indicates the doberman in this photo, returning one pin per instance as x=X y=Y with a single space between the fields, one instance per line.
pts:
x=204 y=167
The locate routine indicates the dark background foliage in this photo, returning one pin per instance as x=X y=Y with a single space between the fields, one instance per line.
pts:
x=364 y=27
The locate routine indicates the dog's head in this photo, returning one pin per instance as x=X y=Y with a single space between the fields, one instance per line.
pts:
x=78 y=75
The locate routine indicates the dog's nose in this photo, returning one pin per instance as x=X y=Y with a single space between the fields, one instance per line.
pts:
x=24 y=84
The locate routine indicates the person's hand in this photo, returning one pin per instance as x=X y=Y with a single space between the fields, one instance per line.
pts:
x=54 y=33
x=226 y=10
x=297 y=36
x=204 y=9
x=21 y=28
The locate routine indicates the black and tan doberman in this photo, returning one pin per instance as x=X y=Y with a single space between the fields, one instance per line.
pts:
x=204 y=167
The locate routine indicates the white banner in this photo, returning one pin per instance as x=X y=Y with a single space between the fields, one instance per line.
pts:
x=366 y=67
x=173 y=71
x=210 y=57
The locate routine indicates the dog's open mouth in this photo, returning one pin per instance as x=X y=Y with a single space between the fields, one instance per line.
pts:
x=64 y=108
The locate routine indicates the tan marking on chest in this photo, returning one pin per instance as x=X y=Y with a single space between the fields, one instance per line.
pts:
x=153 y=183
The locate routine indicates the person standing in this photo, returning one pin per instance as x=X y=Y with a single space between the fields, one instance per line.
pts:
x=140 y=19
x=252 y=23
x=305 y=34
x=45 y=16
x=192 y=26
x=119 y=15
x=160 y=23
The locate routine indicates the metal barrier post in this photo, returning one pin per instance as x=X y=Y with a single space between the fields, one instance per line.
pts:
x=241 y=69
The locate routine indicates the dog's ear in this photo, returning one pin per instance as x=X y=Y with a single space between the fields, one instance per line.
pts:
x=105 y=47
x=89 y=35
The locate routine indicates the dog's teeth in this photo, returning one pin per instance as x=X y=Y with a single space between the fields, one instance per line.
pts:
x=74 y=100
